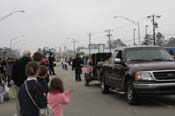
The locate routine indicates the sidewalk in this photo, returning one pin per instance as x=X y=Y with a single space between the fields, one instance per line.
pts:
x=8 y=108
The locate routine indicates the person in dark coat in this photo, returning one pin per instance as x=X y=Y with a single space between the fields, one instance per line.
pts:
x=28 y=108
x=18 y=70
x=3 y=68
x=51 y=64
x=77 y=65
x=19 y=74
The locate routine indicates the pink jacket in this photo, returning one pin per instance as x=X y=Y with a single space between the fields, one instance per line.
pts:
x=89 y=69
x=57 y=100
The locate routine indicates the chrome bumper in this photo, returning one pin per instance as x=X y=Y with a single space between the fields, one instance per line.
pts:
x=152 y=85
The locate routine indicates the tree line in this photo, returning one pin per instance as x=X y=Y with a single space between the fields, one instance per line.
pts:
x=160 y=40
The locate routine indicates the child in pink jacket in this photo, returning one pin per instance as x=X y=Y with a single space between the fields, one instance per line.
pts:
x=57 y=97
x=89 y=70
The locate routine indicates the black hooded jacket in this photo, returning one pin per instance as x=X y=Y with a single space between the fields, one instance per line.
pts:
x=18 y=71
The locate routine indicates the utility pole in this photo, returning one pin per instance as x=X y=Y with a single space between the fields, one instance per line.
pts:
x=89 y=43
x=155 y=25
x=154 y=35
x=73 y=41
x=134 y=30
x=109 y=36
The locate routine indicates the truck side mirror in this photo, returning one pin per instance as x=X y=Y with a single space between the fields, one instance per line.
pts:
x=117 y=60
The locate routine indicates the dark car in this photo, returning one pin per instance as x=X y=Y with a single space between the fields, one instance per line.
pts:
x=139 y=71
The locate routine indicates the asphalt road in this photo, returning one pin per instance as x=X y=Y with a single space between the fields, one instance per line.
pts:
x=89 y=101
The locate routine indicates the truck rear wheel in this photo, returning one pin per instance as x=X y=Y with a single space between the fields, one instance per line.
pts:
x=103 y=86
x=130 y=94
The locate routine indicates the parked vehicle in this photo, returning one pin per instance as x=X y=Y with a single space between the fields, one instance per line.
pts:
x=136 y=71
x=97 y=61
x=171 y=50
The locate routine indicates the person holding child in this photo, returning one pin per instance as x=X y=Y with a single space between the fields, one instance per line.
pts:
x=57 y=97
x=29 y=90
x=38 y=57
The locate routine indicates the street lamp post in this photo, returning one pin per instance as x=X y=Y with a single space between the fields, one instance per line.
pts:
x=11 y=40
x=134 y=30
x=134 y=22
x=6 y=16
x=20 y=11
x=89 y=43
x=15 y=43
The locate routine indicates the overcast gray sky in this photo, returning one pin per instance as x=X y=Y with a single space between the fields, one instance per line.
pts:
x=51 y=22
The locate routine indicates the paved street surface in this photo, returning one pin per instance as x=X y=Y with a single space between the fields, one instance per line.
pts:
x=89 y=101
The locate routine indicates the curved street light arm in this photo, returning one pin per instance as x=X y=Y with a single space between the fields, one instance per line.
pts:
x=1 y=19
x=134 y=22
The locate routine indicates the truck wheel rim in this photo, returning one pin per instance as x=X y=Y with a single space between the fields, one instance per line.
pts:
x=129 y=93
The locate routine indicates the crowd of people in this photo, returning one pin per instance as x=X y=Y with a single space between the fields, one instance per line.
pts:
x=30 y=76
x=6 y=82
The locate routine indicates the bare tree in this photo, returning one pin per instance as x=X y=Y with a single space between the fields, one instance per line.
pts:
x=171 y=42
x=160 y=39
x=116 y=43
x=148 y=40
